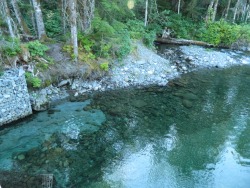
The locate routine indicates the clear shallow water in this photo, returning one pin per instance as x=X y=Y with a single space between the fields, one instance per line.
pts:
x=193 y=133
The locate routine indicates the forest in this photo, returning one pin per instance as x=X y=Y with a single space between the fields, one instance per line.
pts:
x=92 y=30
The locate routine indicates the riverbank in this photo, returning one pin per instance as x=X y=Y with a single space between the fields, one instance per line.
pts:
x=143 y=67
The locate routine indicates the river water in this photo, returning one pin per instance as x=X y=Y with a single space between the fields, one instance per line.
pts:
x=195 y=132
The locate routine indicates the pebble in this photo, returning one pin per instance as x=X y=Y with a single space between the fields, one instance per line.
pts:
x=21 y=157
x=65 y=164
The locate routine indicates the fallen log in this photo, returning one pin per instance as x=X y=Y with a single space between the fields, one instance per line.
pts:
x=182 y=42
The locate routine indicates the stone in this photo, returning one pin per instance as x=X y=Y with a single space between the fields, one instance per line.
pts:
x=139 y=103
x=184 y=68
x=21 y=157
x=6 y=96
x=40 y=103
x=65 y=164
x=118 y=110
x=49 y=92
x=64 y=83
x=189 y=96
x=187 y=103
x=58 y=150
x=168 y=113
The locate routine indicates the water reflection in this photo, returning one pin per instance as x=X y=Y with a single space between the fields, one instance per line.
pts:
x=193 y=133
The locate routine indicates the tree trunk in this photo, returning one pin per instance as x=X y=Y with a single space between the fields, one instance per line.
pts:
x=33 y=19
x=228 y=7
x=247 y=13
x=182 y=42
x=73 y=16
x=21 y=22
x=88 y=14
x=7 y=17
x=64 y=6
x=244 y=12
x=146 y=14
x=179 y=6
x=39 y=20
x=215 y=10
x=210 y=11
x=235 y=10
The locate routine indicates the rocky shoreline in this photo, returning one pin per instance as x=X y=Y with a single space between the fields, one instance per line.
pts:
x=142 y=68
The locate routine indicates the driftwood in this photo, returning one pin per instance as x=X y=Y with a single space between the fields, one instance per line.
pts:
x=182 y=42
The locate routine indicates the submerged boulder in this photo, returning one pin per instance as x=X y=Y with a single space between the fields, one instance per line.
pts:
x=187 y=103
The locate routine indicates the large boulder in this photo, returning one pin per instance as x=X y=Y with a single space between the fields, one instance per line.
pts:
x=40 y=102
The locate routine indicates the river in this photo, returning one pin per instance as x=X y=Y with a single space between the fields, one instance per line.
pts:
x=192 y=133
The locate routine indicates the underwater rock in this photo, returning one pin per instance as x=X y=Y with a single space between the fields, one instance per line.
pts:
x=187 y=103
x=65 y=163
x=139 y=103
x=190 y=96
x=21 y=157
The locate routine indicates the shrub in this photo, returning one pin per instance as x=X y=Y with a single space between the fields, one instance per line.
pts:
x=33 y=81
x=122 y=45
x=149 y=38
x=181 y=27
x=136 y=29
x=11 y=48
x=102 y=28
x=220 y=33
x=53 y=23
x=36 y=48
x=104 y=66
x=244 y=33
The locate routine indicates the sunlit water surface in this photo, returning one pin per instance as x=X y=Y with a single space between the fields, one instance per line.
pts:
x=193 y=133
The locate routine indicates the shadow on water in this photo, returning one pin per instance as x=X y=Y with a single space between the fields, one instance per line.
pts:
x=192 y=133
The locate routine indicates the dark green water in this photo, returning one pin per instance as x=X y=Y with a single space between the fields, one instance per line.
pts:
x=193 y=133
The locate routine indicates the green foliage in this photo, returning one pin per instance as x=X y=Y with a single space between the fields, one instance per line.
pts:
x=102 y=28
x=85 y=42
x=2 y=22
x=122 y=45
x=105 y=49
x=149 y=38
x=115 y=9
x=104 y=66
x=220 y=33
x=42 y=66
x=159 y=21
x=36 y=48
x=244 y=33
x=33 y=81
x=47 y=83
x=85 y=48
x=111 y=39
x=68 y=48
x=53 y=23
x=136 y=29
x=11 y=48
x=181 y=27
